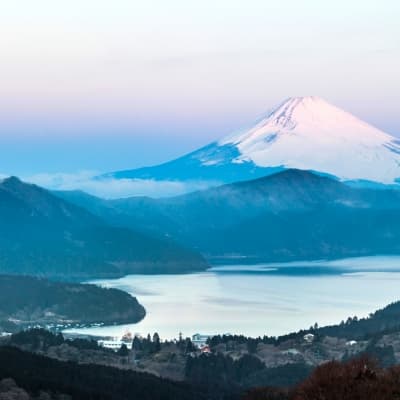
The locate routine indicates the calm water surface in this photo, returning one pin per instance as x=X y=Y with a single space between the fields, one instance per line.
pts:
x=270 y=299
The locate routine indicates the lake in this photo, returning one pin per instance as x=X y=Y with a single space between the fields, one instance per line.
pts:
x=254 y=300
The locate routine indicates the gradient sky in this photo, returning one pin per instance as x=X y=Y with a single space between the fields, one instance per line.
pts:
x=112 y=84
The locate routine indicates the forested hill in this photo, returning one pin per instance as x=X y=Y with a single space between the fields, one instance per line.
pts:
x=31 y=301
x=34 y=374
x=43 y=235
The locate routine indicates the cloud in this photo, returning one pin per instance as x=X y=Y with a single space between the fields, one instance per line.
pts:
x=89 y=182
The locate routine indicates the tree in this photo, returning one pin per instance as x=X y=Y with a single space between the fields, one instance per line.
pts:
x=181 y=343
x=189 y=346
x=123 y=351
x=137 y=344
x=156 y=342
x=252 y=345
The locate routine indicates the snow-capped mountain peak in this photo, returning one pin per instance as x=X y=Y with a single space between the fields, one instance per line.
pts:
x=310 y=133
x=313 y=115
x=306 y=133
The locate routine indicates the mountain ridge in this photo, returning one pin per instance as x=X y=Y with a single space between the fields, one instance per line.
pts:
x=291 y=215
x=44 y=235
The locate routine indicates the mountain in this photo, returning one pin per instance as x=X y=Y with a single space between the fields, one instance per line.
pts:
x=290 y=215
x=304 y=133
x=41 y=234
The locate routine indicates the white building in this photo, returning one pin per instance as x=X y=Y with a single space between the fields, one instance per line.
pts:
x=114 y=344
x=200 y=340
x=309 y=337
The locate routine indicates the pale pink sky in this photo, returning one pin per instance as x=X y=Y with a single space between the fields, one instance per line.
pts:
x=112 y=84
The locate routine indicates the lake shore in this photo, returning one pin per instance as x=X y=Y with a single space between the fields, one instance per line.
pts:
x=258 y=300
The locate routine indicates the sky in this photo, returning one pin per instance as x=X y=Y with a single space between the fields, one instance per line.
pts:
x=91 y=86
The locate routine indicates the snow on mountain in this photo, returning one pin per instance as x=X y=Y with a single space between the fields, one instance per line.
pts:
x=309 y=133
x=303 y=132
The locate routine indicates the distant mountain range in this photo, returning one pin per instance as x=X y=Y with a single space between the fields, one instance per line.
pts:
x=297 y=207
x=290 y=215
x=41 y=234
x=304 y=133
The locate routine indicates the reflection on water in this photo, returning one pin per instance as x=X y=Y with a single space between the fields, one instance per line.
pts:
x=264 y=299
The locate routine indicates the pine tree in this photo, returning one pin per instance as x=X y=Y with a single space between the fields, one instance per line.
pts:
x=156 y=342
x=123 y=351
